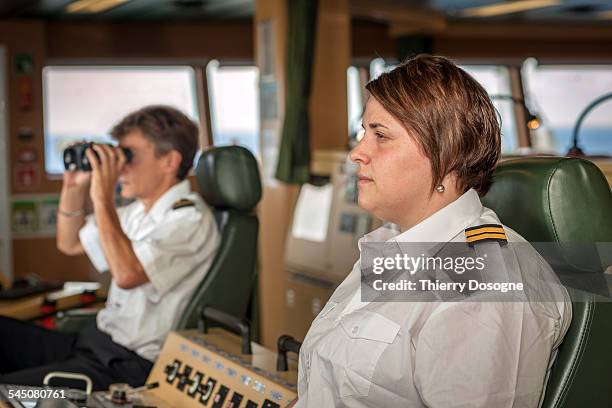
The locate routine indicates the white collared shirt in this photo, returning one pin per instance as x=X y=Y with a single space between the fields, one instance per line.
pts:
x=175 y=247
x=432 y=354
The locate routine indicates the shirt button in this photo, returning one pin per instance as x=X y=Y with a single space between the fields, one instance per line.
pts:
x=355 y=330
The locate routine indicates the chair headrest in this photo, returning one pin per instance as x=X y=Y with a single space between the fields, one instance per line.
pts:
x=228 y=178
x=553 y=199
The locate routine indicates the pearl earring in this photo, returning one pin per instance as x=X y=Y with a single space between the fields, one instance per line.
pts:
x=440 y=188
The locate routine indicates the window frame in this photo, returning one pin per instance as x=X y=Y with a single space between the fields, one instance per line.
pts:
x=523 y=137
x=554 y=62
x=227 y=62
x=201 y=89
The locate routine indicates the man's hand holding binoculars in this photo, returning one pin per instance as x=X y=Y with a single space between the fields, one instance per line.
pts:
x=93 y=168
x=106 y=167
x=105 y=163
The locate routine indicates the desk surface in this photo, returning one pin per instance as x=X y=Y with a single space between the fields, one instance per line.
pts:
x=29 y=307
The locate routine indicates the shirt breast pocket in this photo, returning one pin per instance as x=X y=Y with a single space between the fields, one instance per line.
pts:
x=121 y=301
x=327 y=309
x=368 y=335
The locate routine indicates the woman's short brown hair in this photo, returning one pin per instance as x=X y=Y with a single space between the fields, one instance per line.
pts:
x=167 y=128
x=449 y=114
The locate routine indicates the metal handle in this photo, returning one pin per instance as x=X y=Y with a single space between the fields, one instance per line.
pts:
x=241 y=327
x=284 y=344
x=69 y=376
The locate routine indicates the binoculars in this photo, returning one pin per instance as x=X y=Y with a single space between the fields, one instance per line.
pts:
x=76 y=159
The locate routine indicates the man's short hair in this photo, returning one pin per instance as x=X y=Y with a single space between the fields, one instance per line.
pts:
x=167 y=128
x=449 y=114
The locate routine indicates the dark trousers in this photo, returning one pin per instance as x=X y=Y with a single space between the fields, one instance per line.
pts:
x=29 y=352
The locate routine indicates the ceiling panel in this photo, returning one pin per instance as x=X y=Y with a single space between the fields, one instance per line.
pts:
x=566 y=10
x=132 y=10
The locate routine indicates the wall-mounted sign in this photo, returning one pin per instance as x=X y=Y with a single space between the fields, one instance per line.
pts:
x=270 y=140
x=25 y=134
x=35 y=215
x=27 y=155
x=265 y=48
x=268 y=100
x=47 y=215
x=24 y=217
x=27 y=175
x=25 y=93
x=24 y=64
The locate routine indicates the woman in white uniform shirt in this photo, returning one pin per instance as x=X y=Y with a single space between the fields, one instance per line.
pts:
x=431 y=144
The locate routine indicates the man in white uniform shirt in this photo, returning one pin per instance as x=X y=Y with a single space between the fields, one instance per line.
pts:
x=157 y=250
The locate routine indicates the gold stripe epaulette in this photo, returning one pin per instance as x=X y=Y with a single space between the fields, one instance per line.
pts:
x=182 y=203
x=485 y=232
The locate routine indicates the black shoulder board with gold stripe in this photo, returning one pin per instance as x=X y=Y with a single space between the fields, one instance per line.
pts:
x=485 y=232
x=182 y=203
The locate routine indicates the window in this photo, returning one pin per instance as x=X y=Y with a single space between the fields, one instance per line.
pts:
x=378 y=66
x=85 y=102
x=356 y=79
x=494 y=78
x=496 y=81
x=354 y=100
x=560 y=93
x=234 y=105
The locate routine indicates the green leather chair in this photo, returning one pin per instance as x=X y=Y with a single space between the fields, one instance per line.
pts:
x=552 y=199
x=228 y=180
